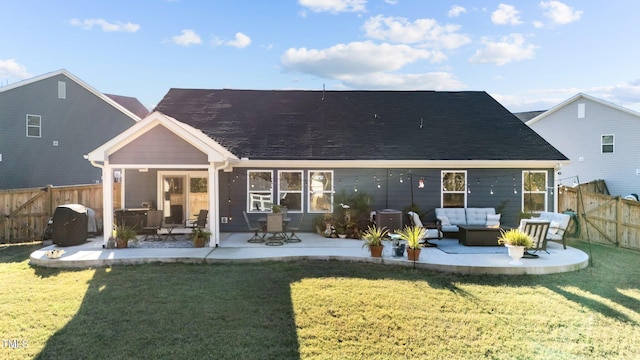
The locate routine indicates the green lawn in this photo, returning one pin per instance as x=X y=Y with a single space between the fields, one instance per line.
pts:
x=317 y=310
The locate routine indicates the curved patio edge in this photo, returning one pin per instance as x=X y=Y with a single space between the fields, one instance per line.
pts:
x=91 y=254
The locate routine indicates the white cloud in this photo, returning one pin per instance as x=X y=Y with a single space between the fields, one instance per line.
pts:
x=356 y=58
x=509 y=48
x=334 y=6
x=105 y=25
x=440 y=81
x=506 y=15
x=426 y=32
x=456 y=10
x=241 y=41
x=391 y=2
x=559 y=13
x=12 y=70
x=188 y=37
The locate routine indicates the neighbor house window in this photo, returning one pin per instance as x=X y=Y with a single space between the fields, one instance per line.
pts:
x=290 y=190
x=454 y=189
x=320 y=191
x=534 y=191
x=260 y=190
x=607 y=144
x=34 y=125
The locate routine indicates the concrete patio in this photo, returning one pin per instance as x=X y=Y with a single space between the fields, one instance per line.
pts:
x=235 y=248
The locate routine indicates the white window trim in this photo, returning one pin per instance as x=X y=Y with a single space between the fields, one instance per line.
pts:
x=187 y=186
x=442 y=191
x=31 y=126
x=249 y=202
x=301 y=191
x=330 y=192
x=613 y=143
x=546 y=181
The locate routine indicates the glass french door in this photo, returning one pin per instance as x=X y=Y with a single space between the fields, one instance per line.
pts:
x=182 y=195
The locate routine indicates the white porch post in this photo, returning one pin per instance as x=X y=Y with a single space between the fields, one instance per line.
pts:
x=214 y=206
x=107 y=202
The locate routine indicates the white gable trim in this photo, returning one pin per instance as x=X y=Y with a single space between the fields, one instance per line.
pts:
x=215 y=152
x=581 y=96
x=77 y=80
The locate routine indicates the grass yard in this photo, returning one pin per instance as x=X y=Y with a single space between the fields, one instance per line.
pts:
x=317 y=310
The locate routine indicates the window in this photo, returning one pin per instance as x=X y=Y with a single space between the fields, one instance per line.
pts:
x=290 y=190
x=320 y=191
x=260 y=190
x=607 y=144
x=454 y=185
x=34 y=123
x=534 y=191
x=581 y=111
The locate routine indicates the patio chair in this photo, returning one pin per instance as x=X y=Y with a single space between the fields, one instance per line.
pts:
x=256 y=238
x=293 y=238
x=154 y=224
x=276 y=229
x=201 y=220
x=433 y=232
x=537 y=229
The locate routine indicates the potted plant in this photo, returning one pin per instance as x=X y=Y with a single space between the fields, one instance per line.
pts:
x=341 y=230
x=199 y=236
x=412 y=235
x=516 y=242
x=373 y=239
x=123 y=234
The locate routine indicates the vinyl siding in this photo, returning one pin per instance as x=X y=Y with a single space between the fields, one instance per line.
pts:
x=577 y=138
x=159 y=146
x=79 y=124
x=392 y=193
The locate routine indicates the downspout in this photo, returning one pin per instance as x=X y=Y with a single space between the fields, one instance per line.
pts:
x=107 y=198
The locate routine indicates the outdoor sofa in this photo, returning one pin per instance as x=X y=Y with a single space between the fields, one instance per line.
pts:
x=451 y=218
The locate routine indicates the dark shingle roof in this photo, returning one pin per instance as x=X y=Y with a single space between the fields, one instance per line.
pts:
x=130 y=103
x=528 y=115
x=358 y=125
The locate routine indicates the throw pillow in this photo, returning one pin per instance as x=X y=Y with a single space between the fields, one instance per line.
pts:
x=493 y=221
x=444 y=220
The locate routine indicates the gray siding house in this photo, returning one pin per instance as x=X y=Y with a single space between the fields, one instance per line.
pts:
x=48 y=123
x=601 y=139
x=229 y=151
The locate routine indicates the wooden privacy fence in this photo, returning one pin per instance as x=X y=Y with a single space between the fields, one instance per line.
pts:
x=603 y=218
x=24 y=213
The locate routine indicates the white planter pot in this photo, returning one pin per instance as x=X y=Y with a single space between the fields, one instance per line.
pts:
x=516 y=253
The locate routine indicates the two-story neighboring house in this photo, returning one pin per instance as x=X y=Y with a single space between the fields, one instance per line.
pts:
x=601 y=139
x=47 y=124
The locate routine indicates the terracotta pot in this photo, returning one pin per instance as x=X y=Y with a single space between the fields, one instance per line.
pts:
x=376 y=250
x=199 y=242
x=413 y=254
x=121 y=243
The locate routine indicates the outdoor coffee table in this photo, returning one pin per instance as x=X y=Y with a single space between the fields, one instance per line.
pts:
x=471 y=235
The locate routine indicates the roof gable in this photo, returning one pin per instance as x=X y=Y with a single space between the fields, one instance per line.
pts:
x=575 y=98
x=83 y=84
x=190 y=135
x=358 y=125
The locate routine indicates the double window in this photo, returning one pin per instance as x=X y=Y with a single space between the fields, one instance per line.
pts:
x=454 y=189
x=34 y=125
x=534 y=191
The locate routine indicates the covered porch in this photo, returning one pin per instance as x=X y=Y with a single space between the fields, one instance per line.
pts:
x=163 y=165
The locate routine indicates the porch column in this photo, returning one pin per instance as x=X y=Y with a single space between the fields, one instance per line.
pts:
x=214 y=206
x=107 y=202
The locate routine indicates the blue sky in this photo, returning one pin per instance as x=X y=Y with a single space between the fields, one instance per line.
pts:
x=529 y=55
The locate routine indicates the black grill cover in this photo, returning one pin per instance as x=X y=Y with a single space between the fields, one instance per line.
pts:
x=70 y=225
